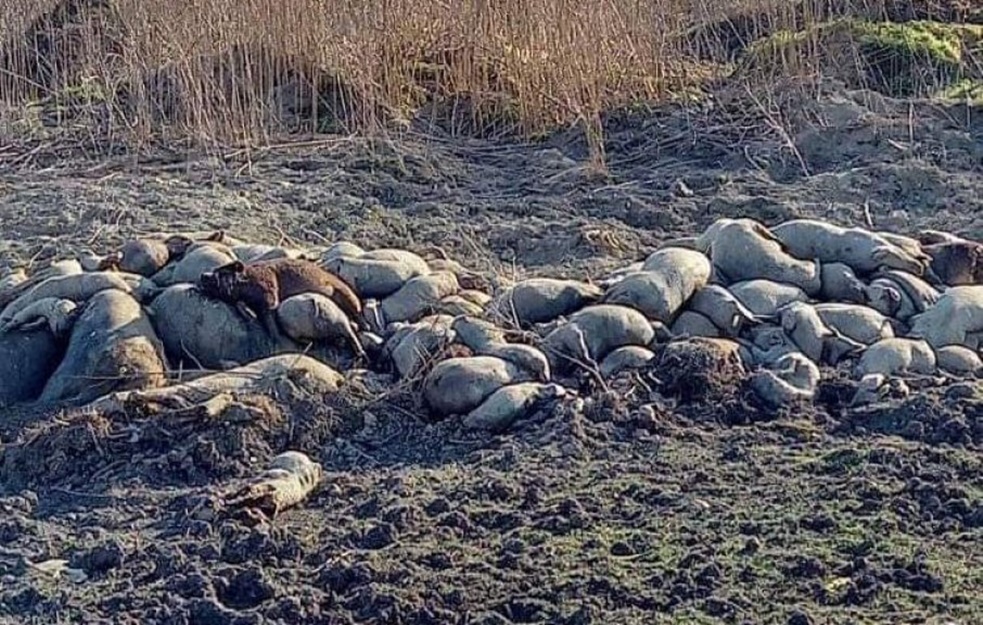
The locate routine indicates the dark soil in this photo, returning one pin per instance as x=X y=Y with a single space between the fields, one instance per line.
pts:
x=635 y=504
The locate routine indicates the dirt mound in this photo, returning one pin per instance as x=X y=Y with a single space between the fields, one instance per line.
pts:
x=918 y=58
x=700 y=371
x=60 y=48
x=950 y=416
x=730 y=37
x=217 y=439
x=292 y=92
x=949 y=11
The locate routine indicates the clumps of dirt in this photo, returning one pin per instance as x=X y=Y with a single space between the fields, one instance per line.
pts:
x=692 y=381
x=216 y=439
x=836 y=391
x=862 y=582
x=952 y=415
x=700 y=370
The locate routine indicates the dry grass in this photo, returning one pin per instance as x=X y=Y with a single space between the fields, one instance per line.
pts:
x=235 y=71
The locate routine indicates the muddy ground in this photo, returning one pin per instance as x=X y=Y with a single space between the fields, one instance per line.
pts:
x=625 y=509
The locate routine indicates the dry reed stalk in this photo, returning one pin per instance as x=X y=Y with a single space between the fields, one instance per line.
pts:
x=242 y=71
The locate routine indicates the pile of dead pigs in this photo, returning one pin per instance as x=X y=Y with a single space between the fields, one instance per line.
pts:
x=204 y=313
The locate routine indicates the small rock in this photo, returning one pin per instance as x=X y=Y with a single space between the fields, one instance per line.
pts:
x=583 y=616
x=622 y=549
x=102 y=559
x=438 y=507
x=378 y=537
x=210 y=553
x=246 y=589
x=799 y=617
x=514 y=545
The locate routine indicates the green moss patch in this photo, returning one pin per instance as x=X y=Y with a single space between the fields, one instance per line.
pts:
x=965 y=89
x=917 y=58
